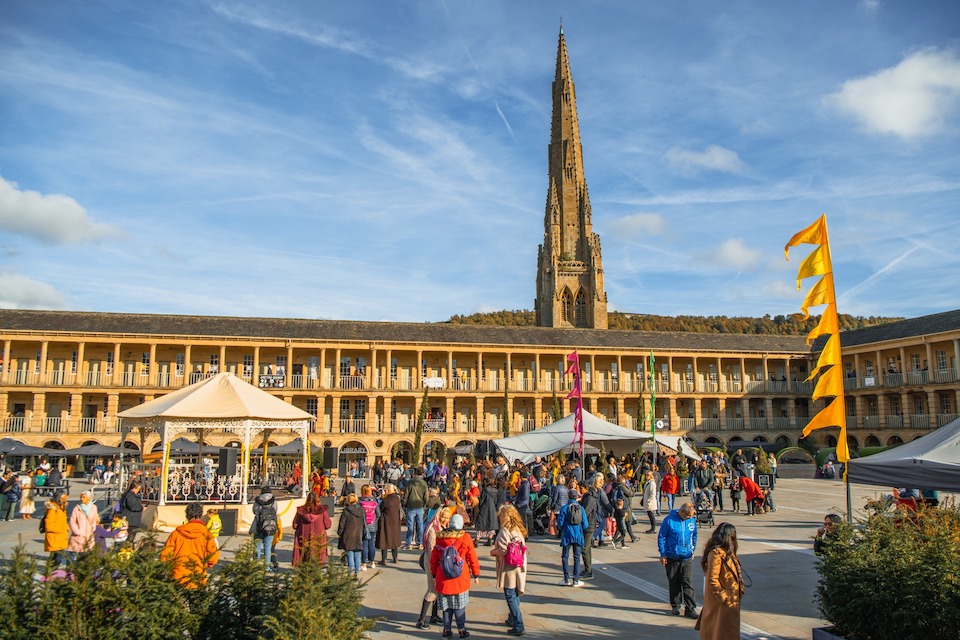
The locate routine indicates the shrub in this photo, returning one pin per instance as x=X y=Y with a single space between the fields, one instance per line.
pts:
x=894 y=576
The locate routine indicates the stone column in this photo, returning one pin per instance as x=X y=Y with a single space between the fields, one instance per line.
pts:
x=80 y=377
x=256 y=367
x=288 y=371
x=418 y=378
x=336 y=376
x=152 y=378
x=117 y=373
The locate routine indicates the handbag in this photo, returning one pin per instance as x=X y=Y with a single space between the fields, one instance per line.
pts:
x=552 y=527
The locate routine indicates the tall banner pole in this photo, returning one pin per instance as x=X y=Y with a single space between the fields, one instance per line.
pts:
x=576 y=392
x=653 y=406
x=830 y=382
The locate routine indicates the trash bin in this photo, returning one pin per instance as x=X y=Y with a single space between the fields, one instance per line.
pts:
x=749 y=470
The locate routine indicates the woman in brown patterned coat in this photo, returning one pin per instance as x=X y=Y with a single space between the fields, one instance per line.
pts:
x=388 y=527
x=723 y=588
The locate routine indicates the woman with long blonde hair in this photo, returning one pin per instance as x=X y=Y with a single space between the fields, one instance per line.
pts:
x=510 y=550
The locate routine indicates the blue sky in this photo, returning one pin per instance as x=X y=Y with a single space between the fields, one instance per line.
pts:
x=387 y=160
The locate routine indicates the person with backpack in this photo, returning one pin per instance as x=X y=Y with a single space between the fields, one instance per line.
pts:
x=264 y=526
x=590 y=507
x=371 y=516
x=510 y=550
x=452 y=562
x=350 y=531
x=572 y=524
x=439 y=522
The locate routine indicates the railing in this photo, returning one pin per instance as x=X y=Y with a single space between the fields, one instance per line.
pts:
x=710 y=424
x=494 y=423
x=15 y=424
x=892 y=379
x=353 y=382
x=735 y=424
x=685 y=386
x=754 y=386
x=493 y=384
x=944 y=418
x=802 y=387
x=52 y=425
x=401 y=383
x=731 y=386
x=526 y=424
x=523 y=384
x=688 y=423
x=25 y=376
x=630 y=385
x=871 y=422
x=663 y=386
x=850 y=382
x=353 y=425
x=606 y=385
x=919 y=421
x=758 y=423
x=778 y=386
x=782 y=424
x=88 y=425
x=464 y=384
x=894 y=422
x=191 y=482
x=435 y=425
x=62 y=378
x=93 y=378
x=945 y=375
x=468 y=425
x=300 y=381
x=917 y=377
x=709 y=386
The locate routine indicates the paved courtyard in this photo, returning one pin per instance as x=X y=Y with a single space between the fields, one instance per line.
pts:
x=627 y=597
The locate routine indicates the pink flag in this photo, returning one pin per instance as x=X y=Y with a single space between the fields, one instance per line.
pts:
x=575 y=392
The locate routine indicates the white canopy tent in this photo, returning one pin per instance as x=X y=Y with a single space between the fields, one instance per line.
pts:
x=929 y=462
x=222 y=402
x=560 y=435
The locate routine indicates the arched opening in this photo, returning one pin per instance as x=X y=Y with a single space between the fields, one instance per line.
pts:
x=734 y=439
x=53 y=444
x=566 y=306
x=435 y=449
x=852 y=443
x=872 y=441
x=714 y=440
x=830 y=441
x=894 y=441
x=580 y=308
x=760 y=439
x=353 y=459
x=783 y=442
x=402 y=450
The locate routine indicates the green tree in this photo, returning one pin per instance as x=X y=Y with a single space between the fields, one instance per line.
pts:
x=557 y=411
x=506 y=411
x=418 y=431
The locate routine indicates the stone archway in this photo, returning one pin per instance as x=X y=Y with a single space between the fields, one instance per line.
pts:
x=402 y=449
x=852 y=443
x=872 y=441
x=894 y=441
x=714 y=440
x=761 y=439
x=783 y=442
x=830 y=441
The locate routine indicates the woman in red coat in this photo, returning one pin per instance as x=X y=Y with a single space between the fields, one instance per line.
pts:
x=669 y=486
x=310 y=531
x=454 y=592
x=753 y=494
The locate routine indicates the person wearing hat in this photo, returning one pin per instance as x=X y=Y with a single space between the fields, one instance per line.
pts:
x=454 y=591
x=572 y=537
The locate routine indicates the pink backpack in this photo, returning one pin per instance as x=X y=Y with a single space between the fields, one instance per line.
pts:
x=516 y=552
x=369 y=511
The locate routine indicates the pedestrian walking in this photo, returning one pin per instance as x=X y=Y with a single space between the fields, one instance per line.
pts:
x=191 y=549
x=310 y=531
x=371 y=514
x=439 y=522
x=56 y=532
x=10 y=488
x=350 y=533
x=388 y=527
x=452 y=570
x=27 y=505
x=723 y=586
x=573 y=525
x=510 y=550
x=131 y=508
x=650 y=500
x=486 y=522
x=264 y=526
x=677 y=542
x=83 y=524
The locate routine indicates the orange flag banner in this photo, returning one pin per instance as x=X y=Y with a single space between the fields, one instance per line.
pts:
x=828 y=324
x=821 y=293
x=816 y=264
x=829 y=356
x=814 y=234
x=833 y=415
x=830 y=384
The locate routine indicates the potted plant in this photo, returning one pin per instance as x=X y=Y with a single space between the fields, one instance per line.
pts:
x=892 y=575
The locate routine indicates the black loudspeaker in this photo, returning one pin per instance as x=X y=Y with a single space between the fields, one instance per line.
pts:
x=229 y=518
x=331 y=458
x=228 y=461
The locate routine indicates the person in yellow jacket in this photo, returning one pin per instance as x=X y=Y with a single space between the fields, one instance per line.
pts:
x=214 y=525
x=192 y=549
x=56 y=532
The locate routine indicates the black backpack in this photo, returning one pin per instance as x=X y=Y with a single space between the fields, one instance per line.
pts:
x=267 y=521
x=575 y=514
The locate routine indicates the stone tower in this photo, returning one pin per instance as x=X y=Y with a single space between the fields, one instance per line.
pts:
x=570 y=289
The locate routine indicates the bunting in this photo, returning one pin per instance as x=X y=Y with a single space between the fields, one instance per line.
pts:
x=574 y=368
x=828 y=367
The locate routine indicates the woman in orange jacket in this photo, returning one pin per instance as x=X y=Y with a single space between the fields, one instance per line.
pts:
x=454 y=591
x=192 y=549
x=56 y=532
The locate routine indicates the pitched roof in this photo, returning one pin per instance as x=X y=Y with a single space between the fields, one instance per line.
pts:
x=912 y=327
x=132 y=324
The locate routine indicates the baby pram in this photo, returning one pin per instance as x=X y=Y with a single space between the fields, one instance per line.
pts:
x=540 y=506
x=704 y=509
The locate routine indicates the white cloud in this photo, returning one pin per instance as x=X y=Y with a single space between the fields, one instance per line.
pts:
x=909 y=100
x=20 y=292
x=53 y=219
x=639 y=225
x=713 y=158
x=734 y=254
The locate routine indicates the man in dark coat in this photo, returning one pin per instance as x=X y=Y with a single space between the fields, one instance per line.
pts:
x=590 y=504
x=487 y=523
x=388 y=527
x=131 y=508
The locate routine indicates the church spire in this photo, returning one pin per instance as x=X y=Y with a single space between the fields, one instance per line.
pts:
x=570 y=271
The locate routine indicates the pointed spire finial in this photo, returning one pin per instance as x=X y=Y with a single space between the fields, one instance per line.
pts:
x=561 y=25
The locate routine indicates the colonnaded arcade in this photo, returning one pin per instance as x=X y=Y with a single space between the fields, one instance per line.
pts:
x=66 y=375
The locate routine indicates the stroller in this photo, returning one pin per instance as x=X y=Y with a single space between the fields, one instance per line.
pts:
x=540 y=506
x=704 y=509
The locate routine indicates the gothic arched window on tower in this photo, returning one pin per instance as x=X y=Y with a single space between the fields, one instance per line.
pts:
x=566 y=307
x=581 y=309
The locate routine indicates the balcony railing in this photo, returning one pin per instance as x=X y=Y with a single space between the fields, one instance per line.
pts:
x=894 y=422
x=523 y=384
x=463 y=383
x=777 y=386
x=871 y=422
x=401 y=383
x=688 y=423
x=735 y=424
x=782 y=424
x=52 y=425
x=88 y=425
x=435 y=425
x=917 y=377
x=945 y=375
x=755 y=386
x=685 y=386
x=892 y=379
x=353 y=382
x=919 y=421
x=15 y=424
x=526 y=424
x=62 y=378
x=710 y=424
x=353 y=425
x=467 y=425
x=758 y=423
x=25 y=376
x=731 y=386
x=944 y=418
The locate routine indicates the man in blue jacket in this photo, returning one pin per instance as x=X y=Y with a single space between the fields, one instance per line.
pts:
x=677 y=541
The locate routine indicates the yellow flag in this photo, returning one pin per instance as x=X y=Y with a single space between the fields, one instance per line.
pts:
x=830 y=355
x=829 y=384
x=816 y=264
x=831 y=415
x=820 y=293
x=814 y=234
x=828 y=323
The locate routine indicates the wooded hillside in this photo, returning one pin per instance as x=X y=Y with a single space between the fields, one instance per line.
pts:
x=779 y=325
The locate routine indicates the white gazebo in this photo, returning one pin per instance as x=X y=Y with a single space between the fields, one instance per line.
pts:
x=222 y=402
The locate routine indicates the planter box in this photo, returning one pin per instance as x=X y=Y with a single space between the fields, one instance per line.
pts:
x=825 y=633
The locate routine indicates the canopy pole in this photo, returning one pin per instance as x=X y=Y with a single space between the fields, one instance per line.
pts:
x=306 y=460
x=164 y=468
x=245 y=456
